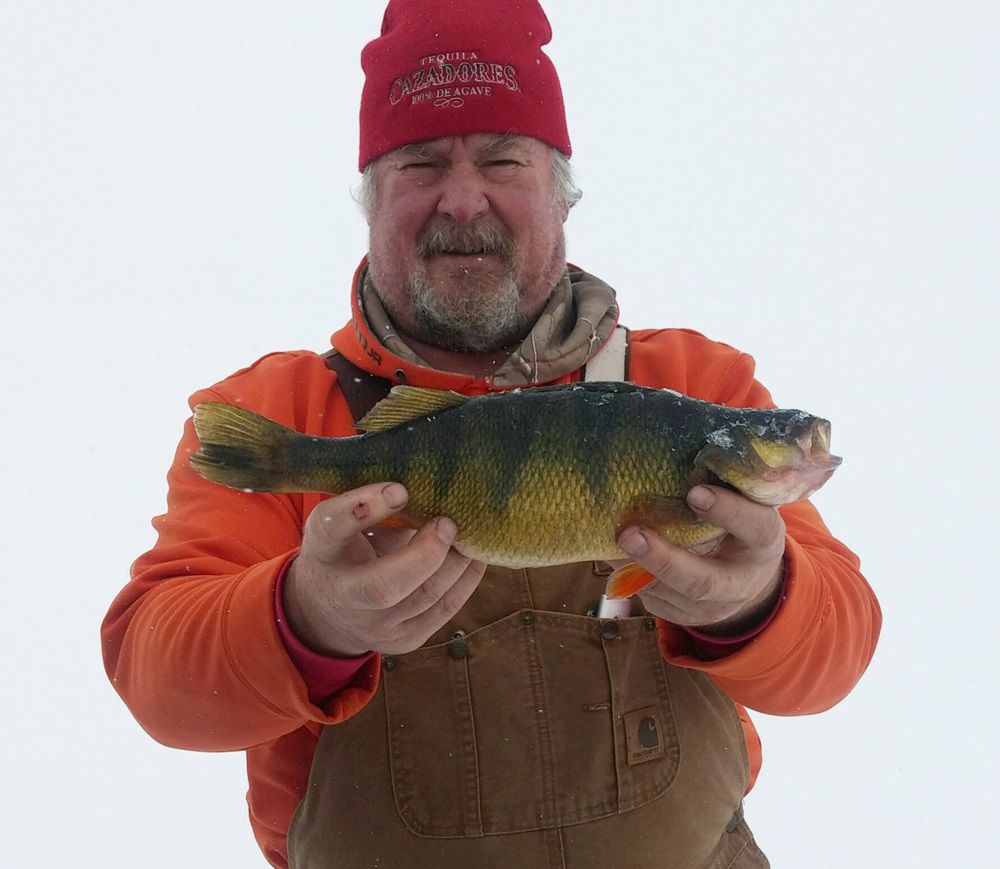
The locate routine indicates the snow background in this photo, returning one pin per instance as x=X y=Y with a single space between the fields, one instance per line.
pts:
x=815 y=183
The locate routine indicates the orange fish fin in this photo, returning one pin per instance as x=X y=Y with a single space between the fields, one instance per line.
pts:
x=627 y=580
x=396 y=522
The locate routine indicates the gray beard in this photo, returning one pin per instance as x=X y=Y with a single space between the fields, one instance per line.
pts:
x=478 y=323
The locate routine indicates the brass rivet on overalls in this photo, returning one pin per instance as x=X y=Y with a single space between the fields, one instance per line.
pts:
x=609 y=629
x=527 y=618
x=649 y=624
x=458 y=648
x=389 y=664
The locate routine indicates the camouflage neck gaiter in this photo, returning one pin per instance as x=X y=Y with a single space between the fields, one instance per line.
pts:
x=576 y=321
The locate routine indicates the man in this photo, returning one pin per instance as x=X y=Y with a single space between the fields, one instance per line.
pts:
x=400 y=704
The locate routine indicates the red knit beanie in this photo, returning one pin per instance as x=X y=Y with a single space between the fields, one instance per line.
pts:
x=452 y=67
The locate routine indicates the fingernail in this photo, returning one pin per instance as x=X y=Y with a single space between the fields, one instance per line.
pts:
x=633 y=543
x=701 y=498
x=395 y=495
x=446 y=530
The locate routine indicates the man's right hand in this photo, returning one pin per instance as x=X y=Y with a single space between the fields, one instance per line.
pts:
x=355 y=588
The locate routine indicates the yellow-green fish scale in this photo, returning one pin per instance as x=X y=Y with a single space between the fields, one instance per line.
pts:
x=552 y=514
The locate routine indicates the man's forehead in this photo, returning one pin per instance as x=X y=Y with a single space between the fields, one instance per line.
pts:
x=478 y=143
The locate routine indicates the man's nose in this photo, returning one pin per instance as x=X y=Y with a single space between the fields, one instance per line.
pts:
x=463 y=194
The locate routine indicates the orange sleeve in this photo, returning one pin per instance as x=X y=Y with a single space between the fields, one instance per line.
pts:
x=821 y=639
x=191 y=643
x=824 y=634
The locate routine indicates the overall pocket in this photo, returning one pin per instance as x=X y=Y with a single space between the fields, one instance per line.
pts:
x=538 y=720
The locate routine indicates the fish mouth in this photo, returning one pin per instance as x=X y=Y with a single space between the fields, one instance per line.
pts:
x=777 y=486
x=815 y=443
x=775 y=472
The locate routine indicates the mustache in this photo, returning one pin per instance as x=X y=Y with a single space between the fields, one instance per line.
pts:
x=469 y=238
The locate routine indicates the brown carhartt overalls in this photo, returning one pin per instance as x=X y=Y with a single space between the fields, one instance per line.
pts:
x=529 y=734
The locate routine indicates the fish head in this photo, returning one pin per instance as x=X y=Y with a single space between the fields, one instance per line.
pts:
x=784 y=459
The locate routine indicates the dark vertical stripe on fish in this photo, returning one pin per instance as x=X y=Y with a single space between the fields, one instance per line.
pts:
x=593 y=426
x=448 y=431
x=515 y=441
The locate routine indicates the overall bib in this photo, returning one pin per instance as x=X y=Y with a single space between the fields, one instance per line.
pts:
x=528 y=733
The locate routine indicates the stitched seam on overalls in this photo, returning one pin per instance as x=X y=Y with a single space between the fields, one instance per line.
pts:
x=474 y=747
x=555 y=837
x=547 y=764
x=738 y=854
x=527 y=589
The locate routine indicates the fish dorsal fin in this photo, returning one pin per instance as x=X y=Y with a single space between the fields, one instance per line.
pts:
x=405 y=404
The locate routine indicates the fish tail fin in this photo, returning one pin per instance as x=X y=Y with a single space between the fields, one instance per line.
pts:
x=242 y=449
x=627 y=580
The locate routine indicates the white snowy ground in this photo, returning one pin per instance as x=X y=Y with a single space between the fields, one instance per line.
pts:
x=816 y=183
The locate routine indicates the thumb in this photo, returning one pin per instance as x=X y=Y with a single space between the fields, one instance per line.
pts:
x=336 y=522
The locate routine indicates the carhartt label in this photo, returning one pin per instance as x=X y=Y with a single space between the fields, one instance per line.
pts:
x=449 y=78
x=643 y=738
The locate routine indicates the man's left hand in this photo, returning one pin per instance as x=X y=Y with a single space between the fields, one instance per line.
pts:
x=727 y=591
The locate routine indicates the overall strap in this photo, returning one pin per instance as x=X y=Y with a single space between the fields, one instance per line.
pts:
x=611 y=364
x=361 y=390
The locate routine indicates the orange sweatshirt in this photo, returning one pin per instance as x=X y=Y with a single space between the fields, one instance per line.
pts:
x=192 y=643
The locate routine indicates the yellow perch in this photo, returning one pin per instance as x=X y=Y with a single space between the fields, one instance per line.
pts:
x=535 y=477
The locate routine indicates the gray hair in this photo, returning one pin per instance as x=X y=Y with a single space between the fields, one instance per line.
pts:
x=566 y=191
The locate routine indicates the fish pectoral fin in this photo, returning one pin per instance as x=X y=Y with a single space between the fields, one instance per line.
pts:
x=627 y=580
x=405 y=404
x=397 y=522
x=650 y=509
x=701 y=474
x=711 y=458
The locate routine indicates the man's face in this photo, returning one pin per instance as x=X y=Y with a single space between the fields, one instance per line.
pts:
x=466 y=238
